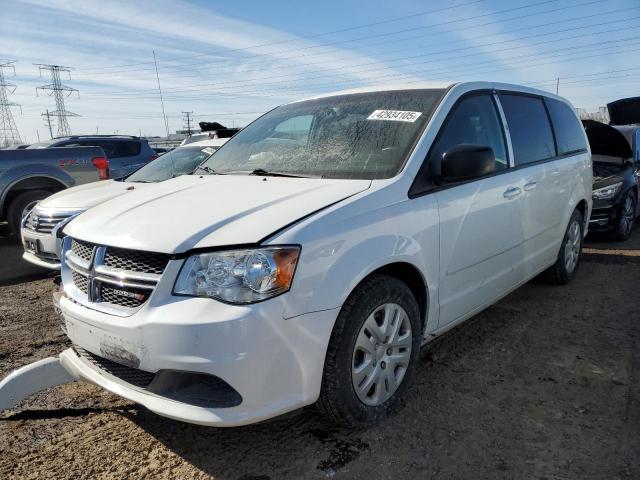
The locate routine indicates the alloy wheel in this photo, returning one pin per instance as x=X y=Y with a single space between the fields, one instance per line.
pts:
x=572 y=246
x=627 y=215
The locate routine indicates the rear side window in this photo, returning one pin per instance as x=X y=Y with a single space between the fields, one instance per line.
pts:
x=127 y=149
x=569 y=131
x=531 y=135
x=116 y=149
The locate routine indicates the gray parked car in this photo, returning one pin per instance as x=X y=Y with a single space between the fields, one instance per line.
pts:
x=125 y=153
x=27 y=176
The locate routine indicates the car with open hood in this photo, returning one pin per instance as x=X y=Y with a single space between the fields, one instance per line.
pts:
x=41 y=227
x=616 y=180
x=311 y=257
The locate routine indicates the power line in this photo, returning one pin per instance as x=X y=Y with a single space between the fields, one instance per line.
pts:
x=306 y=37
x=338 y=42
x=431 y=32
x=563 y=21
x=517 y=61
x=222 y=86
x=9 y=134
x=326 y=72
x=58 y=90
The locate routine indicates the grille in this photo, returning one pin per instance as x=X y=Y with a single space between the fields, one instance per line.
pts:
x=80 y=281
x=136 y=261
x=114 y=286
x=137 y=378
x=82 y=249
x=111 y=295
x=42 y=223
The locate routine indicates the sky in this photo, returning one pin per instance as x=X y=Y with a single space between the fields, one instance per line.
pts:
x=231 y=61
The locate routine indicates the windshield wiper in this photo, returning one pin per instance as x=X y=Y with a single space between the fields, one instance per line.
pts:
x=207 y=169
x=266 y=173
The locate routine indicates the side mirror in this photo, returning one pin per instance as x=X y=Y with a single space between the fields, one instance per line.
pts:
x=464 y=162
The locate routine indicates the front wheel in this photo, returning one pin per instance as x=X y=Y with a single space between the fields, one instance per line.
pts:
x=624 y=225
x=563 y=271
x=372 y=352
x=21 y=206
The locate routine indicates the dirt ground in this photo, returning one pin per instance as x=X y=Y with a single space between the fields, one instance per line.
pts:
x=545 y=384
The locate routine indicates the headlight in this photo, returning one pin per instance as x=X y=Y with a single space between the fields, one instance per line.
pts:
x=238 y=276
x=606 y=193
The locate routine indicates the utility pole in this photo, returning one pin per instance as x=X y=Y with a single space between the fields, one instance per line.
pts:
x=59 y=91
x=557 y=85
x=9 y=134
x=188 y=116
x=166 y=123
x=47 y=117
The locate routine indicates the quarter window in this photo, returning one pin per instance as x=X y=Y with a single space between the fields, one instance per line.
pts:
x=473 y=121
x=569 y=131
x=531 y=135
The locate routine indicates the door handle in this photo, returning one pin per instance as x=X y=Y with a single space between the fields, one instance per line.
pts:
x=512 y=192
x=530 y=185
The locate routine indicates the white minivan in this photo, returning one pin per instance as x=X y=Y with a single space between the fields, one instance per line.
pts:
x=312 y=256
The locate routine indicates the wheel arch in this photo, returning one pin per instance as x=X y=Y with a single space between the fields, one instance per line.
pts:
x=582 y=206
x=38 y=182
x=411 y=276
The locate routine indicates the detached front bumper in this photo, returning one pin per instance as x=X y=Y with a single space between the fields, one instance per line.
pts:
x=201 y=361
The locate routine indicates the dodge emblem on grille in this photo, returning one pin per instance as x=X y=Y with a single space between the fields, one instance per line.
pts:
x=124 y=293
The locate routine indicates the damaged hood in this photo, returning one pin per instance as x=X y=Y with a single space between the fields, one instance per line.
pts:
x=207 y=211
x=88 y=195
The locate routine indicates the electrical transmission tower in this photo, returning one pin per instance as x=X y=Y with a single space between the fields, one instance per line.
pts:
x=188 y=117
x=47 y=118
x=8 y=131
x=59 y=91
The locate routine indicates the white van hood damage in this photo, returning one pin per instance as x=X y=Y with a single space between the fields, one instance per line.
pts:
x=207 y=211
x=88 y=195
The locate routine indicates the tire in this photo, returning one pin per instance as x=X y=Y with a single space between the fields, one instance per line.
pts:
x=626 y=217
x=563 y=271
x=346 y=361
x=21 y=205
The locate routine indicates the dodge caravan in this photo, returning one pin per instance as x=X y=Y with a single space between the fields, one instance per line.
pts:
x=311 y=257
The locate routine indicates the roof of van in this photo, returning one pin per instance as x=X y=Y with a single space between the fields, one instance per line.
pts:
x=436 y=85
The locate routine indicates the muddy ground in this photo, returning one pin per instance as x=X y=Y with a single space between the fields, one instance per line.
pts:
x=545 y=384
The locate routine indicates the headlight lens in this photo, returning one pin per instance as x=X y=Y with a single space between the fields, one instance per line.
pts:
x=606 y=193
x=239 y=276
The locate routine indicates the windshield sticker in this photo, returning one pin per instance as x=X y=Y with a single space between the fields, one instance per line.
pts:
x=395 y=115
x=209 y=150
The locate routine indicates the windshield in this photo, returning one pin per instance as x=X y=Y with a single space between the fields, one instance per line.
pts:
x=181 y=161
x=196 y=137
x=357 y=136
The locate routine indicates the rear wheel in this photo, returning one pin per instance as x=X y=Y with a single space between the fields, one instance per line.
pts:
x=22 y=205
x=563 y=271
x=624 y=225
x=372 y=352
